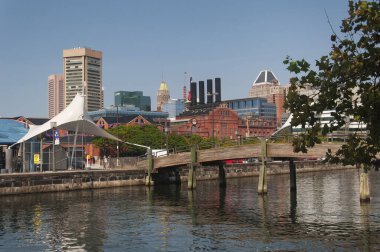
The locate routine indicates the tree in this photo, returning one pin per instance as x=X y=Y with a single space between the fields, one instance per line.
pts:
x=147 y=135
x=346 y=80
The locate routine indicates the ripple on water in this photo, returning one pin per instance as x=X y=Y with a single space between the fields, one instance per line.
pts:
x=325 y=215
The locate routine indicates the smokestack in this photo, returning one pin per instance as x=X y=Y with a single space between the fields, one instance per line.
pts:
x=218 y=96
x=193 y=92
x=201 y=92
x=209 y=92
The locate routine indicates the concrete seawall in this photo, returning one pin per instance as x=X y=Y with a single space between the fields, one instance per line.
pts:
x=18 y=183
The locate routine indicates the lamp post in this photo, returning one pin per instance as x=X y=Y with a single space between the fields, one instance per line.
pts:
x=167 y=132
x=53 y=125
x=248 y=117
x=117 y=135
x=213 y=116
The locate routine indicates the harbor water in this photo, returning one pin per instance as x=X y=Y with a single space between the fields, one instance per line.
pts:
x=324 y=215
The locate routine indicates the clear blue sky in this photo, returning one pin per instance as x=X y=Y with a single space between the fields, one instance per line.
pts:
x=142 y=39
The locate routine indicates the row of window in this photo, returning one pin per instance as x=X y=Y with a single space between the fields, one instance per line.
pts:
x=73 y=67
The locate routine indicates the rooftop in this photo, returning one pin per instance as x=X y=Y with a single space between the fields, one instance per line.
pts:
x=266 y=77
x=164 y=86
x=11 y=131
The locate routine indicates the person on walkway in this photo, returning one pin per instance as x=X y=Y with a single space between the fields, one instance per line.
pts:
x=105 y=162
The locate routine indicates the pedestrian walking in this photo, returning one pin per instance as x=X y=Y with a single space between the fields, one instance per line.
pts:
x=105 y=162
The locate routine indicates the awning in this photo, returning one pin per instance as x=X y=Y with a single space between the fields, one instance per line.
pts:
x=72 y=118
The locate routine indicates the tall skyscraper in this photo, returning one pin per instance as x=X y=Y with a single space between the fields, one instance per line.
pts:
x=163 y=95
x=83 y=74
x=56 y=91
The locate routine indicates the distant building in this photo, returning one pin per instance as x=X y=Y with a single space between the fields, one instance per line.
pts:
x=129 y=110
x=267 y=86
x=127 y=120
x=56 y=92
x=163 y=95
x=135 y=98
x=174 y=107
x=259 y=115
x=207 y=120
x=83 y=74
x=227 y=119
x=256 y=108
x=10 y=132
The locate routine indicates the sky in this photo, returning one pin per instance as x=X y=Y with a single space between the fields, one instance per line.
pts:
x=145 y=41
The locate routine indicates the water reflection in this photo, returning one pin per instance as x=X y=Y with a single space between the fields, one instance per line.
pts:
x=293 y=206
x=325 y=214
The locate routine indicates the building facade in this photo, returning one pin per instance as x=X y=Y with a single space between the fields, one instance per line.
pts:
x=135 y=98
x=210 y=120
x=56 y=93
x=163 y=95
x=174 y=107
x=259 y=117
x=256 y=108
x=83 y=74
x=267 y=86
x=128 y=110
x=129 y=120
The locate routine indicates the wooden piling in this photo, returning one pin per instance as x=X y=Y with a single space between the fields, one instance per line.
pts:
x=293 y=176
x=148 y=179
x=364 y=186
x=191 y=181
x=222 y=175
x=263 y=185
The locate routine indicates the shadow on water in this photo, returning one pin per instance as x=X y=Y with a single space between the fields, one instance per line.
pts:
x=293 y=206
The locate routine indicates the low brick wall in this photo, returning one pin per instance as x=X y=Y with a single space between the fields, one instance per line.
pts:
x=18 y=183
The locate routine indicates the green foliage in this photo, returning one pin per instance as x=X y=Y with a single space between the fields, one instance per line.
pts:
x=147 y=135
x=347 y=80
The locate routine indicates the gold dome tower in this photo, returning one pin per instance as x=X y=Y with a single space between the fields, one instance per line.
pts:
x=163 y=95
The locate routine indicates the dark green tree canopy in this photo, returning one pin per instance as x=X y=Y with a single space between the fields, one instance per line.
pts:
x=347 y=81
x=147 y=135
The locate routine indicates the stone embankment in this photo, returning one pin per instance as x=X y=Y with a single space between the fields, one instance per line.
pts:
x=18 y=183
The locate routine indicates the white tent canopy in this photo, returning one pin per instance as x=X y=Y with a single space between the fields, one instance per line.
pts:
x=72 y=118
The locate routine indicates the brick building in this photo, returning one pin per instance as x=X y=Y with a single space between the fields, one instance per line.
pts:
x=206 y=121
x=109 y=122
x=222 y=122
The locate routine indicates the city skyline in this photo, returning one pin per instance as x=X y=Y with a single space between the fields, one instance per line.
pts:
x=145 y=40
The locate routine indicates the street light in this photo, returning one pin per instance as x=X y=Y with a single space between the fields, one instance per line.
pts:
x=53 y=125
x=248 y=117
x=213 y=117
x=167 y=133
x=117 y=135
x=237 y=137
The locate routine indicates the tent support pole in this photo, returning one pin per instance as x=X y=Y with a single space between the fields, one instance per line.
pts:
x=73 y=149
